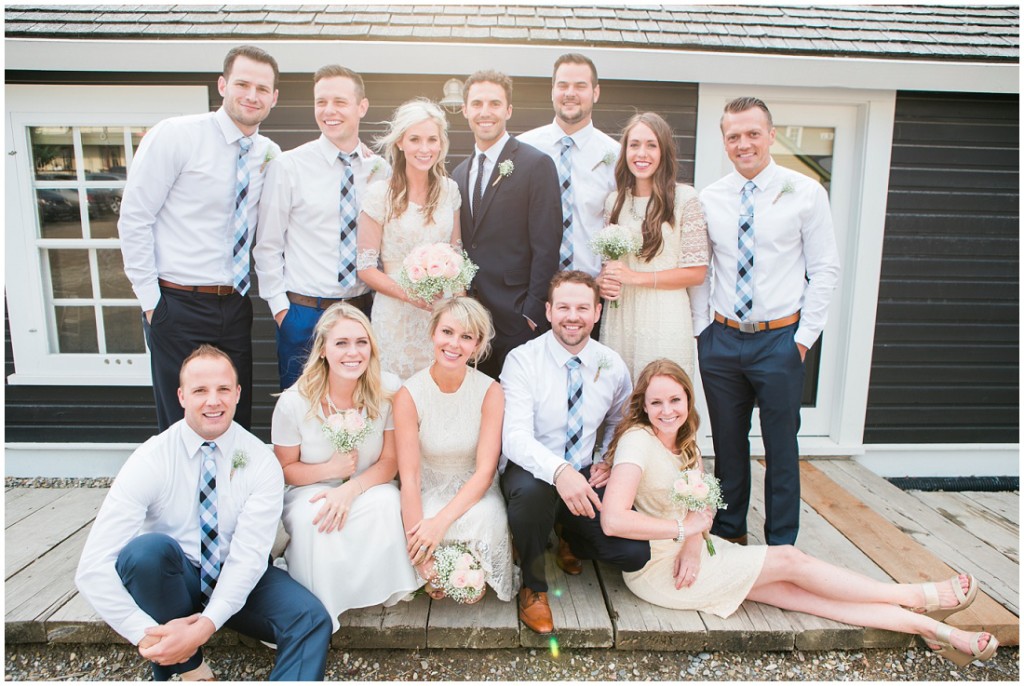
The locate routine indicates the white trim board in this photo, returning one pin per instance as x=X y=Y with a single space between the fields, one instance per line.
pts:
x=628 y=63
x=88 y=460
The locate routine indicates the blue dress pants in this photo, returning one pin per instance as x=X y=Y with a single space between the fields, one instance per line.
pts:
x=295 y=337
x=165 y=585
x=736 y=369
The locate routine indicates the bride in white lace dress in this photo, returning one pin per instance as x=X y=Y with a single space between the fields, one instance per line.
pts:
x=418 y=204
x=652 y=319
x=448 y=429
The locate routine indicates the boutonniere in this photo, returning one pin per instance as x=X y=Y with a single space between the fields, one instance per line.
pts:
x=787 y=187
x=378 y=164
x=603 y=363
x=267 y=159
x=238 y=461
x=504 y=169
x=609 y=159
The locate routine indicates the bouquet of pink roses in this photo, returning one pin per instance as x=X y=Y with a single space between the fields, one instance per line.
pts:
x=458 y=572
x=694 y=491
x=435 y=268
x=346 y=430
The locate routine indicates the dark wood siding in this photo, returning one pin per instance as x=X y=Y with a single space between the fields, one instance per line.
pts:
x=125 y=414
x=946 y=350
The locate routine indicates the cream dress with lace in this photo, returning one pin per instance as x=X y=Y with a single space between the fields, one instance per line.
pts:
x=400 y=328
x=648 y=323
x=724 y=580
x=449 y=426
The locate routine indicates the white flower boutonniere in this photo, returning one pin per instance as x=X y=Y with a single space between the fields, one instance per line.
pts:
x=378 y=164
x=608 y=159
x=787 y=187
x=238 y=461
x=504 y=169
x=603 y=363
x=267 y=159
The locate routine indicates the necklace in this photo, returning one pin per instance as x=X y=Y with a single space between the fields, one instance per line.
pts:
x=330 y=404
x=632 y=209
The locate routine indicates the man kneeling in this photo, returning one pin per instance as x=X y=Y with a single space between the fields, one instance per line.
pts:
x=181 y=545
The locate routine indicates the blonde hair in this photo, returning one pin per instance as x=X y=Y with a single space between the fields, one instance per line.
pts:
x=313 y=384
x=407 y=115
x=634 y=413
x=470 y=315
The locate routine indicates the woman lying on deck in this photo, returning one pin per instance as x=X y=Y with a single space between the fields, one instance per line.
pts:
x=654 y=442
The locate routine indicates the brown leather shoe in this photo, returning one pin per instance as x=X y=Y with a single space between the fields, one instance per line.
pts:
x=535 y=611
x=742 y=540
x=567 y=562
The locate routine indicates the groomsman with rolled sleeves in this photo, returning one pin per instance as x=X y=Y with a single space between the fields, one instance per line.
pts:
x=187 y=222
x=584 y=156
x=305 y=252
x=181 y=544
x=561 y=389
x=774 y=265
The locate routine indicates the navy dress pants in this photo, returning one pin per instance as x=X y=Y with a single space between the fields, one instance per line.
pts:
x=533 y=508
x=736 y=369
x=165 y=584
x=184 y=320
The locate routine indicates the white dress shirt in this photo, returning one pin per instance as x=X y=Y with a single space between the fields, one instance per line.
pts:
x=298 y=247
x=535 y=382
x=157 y=491
x=491 y=154
x=176 y=214
x=593 y=178
x=793 y=236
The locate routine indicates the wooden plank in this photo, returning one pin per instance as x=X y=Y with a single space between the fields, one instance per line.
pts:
x=752 y=627
x=22 y=502
x=641 y=626
x=577 y=608
x=401 y=626
x=1006 y=503
x=489 y=623
x=36 y=592
x=897 y=553
x=986 y=525
x=49 y=525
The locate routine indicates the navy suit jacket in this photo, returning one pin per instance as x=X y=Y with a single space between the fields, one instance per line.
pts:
x=514 y=237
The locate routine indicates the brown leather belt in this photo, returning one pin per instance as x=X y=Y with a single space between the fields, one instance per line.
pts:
x=755 y=327
x=324 y=303
x=212 y=290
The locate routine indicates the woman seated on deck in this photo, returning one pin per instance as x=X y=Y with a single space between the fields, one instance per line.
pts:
x=654 y=442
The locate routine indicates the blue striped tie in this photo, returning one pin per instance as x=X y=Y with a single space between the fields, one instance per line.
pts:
x=565 y=183
x=574 y=426
x=745 y=249
x=209 y=538
x=349 y=211
x=240 y=220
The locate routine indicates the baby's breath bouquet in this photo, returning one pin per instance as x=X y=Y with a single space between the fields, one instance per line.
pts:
x=436 y=268
x=614 y=241
x=694 y=490
x=459 y=573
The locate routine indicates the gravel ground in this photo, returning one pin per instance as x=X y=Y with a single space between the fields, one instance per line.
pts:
x=57 y=482
x=241 y=663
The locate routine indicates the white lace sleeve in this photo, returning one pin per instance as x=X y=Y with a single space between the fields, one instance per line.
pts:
x=367 y=258
x=693 y=246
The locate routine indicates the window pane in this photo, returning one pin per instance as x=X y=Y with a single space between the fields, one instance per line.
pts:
x=137 y=133
x=806 y=149
x=69 y=273
x=123 y=328
x=103 y=153
x=113 y=282
x=59 y=215
x=76 y=330
x=53 y=153
x=104 y=208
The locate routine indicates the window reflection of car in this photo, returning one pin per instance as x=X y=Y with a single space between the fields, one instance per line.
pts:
x=54 y=206
x=104 y=200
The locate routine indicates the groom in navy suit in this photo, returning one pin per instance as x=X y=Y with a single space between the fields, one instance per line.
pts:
x=511 y=218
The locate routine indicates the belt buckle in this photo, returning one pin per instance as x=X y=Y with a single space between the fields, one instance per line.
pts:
x=227 y=290
x=748 y=327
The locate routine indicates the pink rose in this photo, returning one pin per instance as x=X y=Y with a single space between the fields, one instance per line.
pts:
x=435 y=268
x=475 y=578
x=459 y=578
x=353 y=421
x=336 y=421
x=419 y=254
x=415 y=273
x=700 y=490
x=681 y=486
x=465 y=562
x=451 y=270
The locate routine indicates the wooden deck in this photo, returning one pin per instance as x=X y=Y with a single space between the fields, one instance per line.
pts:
x=849 y=516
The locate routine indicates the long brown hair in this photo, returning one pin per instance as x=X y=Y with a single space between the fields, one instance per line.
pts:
x=634 y=414
x=661 y=207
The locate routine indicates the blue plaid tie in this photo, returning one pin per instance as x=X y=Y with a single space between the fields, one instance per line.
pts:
x=565 y=183
x=349 y=210
x=209 y=538
x=574 y=426
x=745 y=259
x=240 y=220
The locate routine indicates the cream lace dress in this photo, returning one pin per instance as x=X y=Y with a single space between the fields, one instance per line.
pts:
x=648 y=323
x=449 y=430
x=724 y=580
x=401 y=329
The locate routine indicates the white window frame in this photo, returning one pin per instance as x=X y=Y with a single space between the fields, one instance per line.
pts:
x=860 y=220
x=32 y=336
